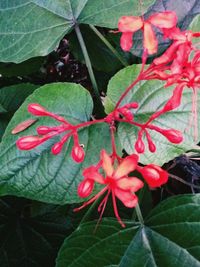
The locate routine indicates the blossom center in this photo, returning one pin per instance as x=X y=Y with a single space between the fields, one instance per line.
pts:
x=110 y=182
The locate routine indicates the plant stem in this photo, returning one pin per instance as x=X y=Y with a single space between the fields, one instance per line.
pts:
x=89 y=67
x=139 y=214
x=112 y=49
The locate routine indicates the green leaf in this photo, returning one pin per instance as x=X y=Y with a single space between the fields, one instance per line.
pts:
x=23 y=69
x=169 y=238
x=23 y=36
x=11 y=97
x=151 y=96
x=28 y=240
x=37 y=174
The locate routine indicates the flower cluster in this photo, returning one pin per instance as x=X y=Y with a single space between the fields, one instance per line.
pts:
x=46 y=132
x=179 y=66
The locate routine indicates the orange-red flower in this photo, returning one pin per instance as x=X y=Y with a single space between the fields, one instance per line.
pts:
x=116 y=182
x=128 y=25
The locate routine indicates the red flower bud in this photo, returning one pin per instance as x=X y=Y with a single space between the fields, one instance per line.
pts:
x=85 y=188
x=134 y=105
x=23 y=126
x=56 y=148
x=28 y=142
x=37 y=110
x=174 y=136
x=154 y=175
x=139 y=146
x=152 y=147
x=44 y=130
x=78 y=153
x=126 y=113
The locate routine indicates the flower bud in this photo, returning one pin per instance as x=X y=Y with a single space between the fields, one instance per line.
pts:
x=132 y=105
x=152 y=147
x=174 y=136
x=85 y=188
x=23 y=126
x=139 y=144
x=154 y=175
x=56 y=148
x=43 y=130
x=78 y=153
x=37 y=110
x=28 y=142
x=126 y=113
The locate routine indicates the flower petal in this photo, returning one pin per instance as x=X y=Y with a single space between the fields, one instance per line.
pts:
x=126 y=166
x=126 y=41
x=168 y=55
x=130 y=24
x=129 y=183
x=107 y=163
x=150 y=41
x=92 y=174
x=165 y=20
x=127 y=198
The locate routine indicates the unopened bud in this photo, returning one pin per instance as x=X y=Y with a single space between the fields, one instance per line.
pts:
x=174 y=136
x=23 y=126
x=43 y=130
x=28 y=142
x=37 y=110
x=126 y=113
x=85 y=188
x=78 y=153
x=56 y=148
x=139 y=146
x=154 y=175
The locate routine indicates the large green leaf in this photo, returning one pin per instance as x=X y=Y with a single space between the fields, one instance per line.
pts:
x=151 y=96
x=30 y=28
x=37 y=174
x=169 y=238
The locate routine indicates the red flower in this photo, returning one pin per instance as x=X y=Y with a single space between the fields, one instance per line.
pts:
x=116 y=182
x=178 y=52
x=128 y=25
x=154 y=175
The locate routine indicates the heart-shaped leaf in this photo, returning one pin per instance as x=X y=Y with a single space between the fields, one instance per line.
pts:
x=34 y=28
x=151 y=96
x=170 y=237
x=38 y=174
